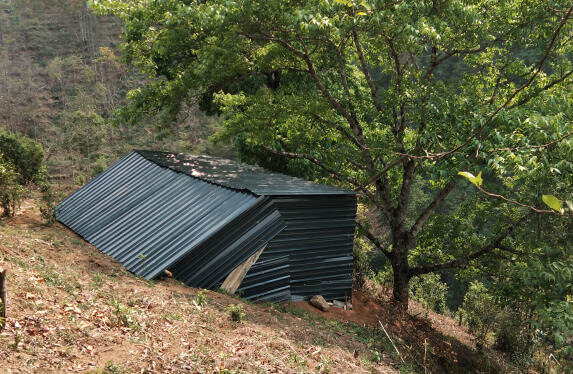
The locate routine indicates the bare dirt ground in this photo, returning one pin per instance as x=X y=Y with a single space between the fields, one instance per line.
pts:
x=430 y=340
x=73 y=309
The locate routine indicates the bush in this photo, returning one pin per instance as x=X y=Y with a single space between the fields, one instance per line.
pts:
x=21 y=163
x=479 y=312
x=49 y=202
x=361 y=265
x=430 y=291
x=384 y=277
x=11 y=192
x=514 y=337
x=201 y=298
x=236 y=312
x=25 y=155
x=98 y=166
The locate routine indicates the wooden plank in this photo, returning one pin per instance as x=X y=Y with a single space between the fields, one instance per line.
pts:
x=234 y=279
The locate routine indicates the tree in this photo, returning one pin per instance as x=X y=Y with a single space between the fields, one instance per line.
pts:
x=21 y=163
x=376 y=96
x=24 y=156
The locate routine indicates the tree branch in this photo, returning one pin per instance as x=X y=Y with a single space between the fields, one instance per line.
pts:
x=374 y=240
x=383 y=171
x=508 y=249
x=404 y=196
x=534 y=146
x=544 y=88
x=366 y=72
x=342 y=72
x=495 y=243
x=434 y=156
x=536 y=210
x=340 y=129
x=431 y=208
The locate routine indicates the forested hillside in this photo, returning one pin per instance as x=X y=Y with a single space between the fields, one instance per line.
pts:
x=61 y=80
x=452 y=121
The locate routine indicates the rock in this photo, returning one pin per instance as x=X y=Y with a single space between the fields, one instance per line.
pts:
x=338 y=304
x=319 y=302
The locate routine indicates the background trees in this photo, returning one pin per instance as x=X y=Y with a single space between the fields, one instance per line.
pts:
x=21 y=164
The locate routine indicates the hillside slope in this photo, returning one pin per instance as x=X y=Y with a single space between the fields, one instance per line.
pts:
x=61 y=80
x=71 y=308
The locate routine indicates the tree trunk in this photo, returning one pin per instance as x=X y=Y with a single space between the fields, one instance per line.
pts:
x=401 y=279
x=399 y=260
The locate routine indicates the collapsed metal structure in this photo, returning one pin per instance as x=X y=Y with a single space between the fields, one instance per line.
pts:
x=201 y=217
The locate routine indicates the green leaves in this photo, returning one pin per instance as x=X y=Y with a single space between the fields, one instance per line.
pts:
x=476 y=180
x=553 y=202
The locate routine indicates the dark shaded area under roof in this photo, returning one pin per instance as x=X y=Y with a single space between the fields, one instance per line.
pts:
x=239 y=176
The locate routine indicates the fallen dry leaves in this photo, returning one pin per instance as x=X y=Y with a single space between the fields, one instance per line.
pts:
x=72 y=309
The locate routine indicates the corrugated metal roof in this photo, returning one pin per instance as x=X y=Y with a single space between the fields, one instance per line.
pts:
x=151 y=218
x=240 y=176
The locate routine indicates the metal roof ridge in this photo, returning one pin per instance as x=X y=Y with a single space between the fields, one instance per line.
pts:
x=253 y=168
x=245 y=190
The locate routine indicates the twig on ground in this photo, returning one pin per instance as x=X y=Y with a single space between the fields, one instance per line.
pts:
x=389 y=338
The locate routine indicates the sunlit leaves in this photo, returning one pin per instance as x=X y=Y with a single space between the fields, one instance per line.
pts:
x=553 y=202
x=476 y=180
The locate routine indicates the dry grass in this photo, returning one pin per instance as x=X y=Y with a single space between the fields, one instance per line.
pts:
x=72 y=309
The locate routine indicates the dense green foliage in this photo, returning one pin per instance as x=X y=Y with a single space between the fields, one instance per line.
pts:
x=21 y=163
x=388 y=98
x=23 y=154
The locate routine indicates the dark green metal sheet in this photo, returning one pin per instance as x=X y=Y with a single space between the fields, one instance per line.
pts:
x=240 y=176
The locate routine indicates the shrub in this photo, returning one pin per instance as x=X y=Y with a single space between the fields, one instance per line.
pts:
x=201 y=298
x=430 y=291
x=98 y=166
x=479 y=312
x=514 y=337
x=385 y=277
x=236 y=312
x=25 y=155
x=49 y=202
x=123 y=315
x=11 y=192
x=361 y=265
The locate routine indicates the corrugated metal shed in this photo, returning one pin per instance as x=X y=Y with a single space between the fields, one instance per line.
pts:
x=201 y=217
x=151 y=218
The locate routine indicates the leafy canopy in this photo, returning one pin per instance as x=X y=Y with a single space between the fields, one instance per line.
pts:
x=384 y=97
